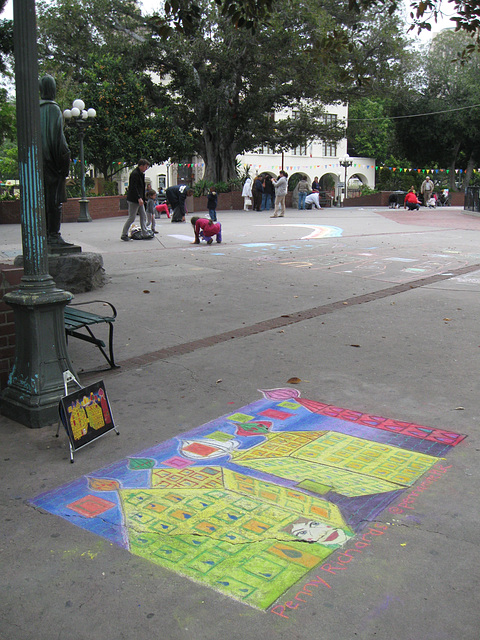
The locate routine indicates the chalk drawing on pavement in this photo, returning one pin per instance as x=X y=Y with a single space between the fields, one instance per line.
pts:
x=250 y=503
x=319 y=231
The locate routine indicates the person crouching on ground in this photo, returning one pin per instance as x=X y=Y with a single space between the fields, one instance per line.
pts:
x=411 y=201
x=313 y=200
x=205 y=229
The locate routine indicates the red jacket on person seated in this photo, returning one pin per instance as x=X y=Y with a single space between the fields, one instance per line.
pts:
x=411 y=197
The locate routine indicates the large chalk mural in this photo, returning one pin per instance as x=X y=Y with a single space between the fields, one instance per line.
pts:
x=250 y=503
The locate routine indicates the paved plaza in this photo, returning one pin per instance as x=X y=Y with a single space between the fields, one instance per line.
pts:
x=316 y=368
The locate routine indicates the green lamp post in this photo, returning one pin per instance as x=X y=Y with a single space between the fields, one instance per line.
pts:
x=80 y=118
x=36 y=381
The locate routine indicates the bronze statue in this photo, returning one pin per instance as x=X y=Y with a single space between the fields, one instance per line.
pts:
x=56 y=159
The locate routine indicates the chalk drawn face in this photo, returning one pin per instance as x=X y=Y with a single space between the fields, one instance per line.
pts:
x=312 y=531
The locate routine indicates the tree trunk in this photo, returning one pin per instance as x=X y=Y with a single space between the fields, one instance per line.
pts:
x=219 y=157
x=468 y=173
x=451 y=175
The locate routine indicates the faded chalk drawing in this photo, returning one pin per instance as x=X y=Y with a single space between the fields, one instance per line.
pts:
x=250 y=503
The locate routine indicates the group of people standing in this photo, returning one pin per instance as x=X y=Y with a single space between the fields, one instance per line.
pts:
x=258 y=193
x=264 y=191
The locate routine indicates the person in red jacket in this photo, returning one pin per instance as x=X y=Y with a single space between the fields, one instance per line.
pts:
x=411 y=201
x=206 y=229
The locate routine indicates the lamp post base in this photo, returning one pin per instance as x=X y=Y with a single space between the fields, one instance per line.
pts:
x=36 y=382
x=84 y=215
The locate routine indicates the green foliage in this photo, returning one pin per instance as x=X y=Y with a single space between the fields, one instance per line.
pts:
x=8 y=129
x=202 y=187
x=127 y=126
x=110 y=188
x=243 y=172
x=367 y=191
x=6 y=41
x=74 y=187
x=423 y=13
x=447 y=136
x=220 y=84
x=230 y=84
x=371 y=131
x=9 y=162
x=10 y=195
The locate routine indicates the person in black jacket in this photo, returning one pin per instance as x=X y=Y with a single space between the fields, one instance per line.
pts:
x=135 y=199
x=212 y=200
x=257 y=193
x=176 y=198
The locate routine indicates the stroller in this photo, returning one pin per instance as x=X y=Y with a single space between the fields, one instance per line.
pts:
x=444 y=199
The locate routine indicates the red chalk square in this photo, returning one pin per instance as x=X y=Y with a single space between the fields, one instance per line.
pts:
x=277 y=415
x=200 y=449
x=91 y=506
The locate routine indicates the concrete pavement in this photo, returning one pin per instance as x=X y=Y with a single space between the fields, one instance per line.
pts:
x=373 y=310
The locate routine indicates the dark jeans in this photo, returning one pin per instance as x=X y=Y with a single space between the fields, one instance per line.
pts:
x=266 y=201
x=257 y=200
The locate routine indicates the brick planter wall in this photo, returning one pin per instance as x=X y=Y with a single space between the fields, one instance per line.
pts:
x=10 y=212
x=226 y=201
x=229 y=201
x=98 y=207
x=457 y=199
x=9 y=281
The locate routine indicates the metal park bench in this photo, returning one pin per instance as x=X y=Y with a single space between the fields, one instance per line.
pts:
x=77 y=319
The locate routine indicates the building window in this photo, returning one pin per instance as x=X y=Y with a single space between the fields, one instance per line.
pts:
x=329 y=149
x=300 y=151
x=329 y=118
x=264 y=150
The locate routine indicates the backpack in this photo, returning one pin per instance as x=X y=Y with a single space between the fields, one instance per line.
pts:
x=138 y=235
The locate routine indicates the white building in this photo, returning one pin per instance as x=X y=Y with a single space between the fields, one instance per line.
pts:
x=319 y=159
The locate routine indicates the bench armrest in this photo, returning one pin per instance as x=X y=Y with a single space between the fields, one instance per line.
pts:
x=103 y=302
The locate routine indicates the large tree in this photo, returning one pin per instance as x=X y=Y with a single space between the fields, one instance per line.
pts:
x=230 y=81
x=226 y=82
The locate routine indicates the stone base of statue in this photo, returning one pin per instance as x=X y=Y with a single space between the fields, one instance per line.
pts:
x=56 y=244
x=63 y=249
x=74 y=272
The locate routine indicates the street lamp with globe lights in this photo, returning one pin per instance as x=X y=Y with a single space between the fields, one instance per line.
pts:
x=80 y=118
x=345 y=162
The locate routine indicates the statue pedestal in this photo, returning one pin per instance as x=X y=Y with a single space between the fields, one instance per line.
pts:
x=63 y=249
x=74 y=272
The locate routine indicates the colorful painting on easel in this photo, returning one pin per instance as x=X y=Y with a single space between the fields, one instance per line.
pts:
x=250 y=503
